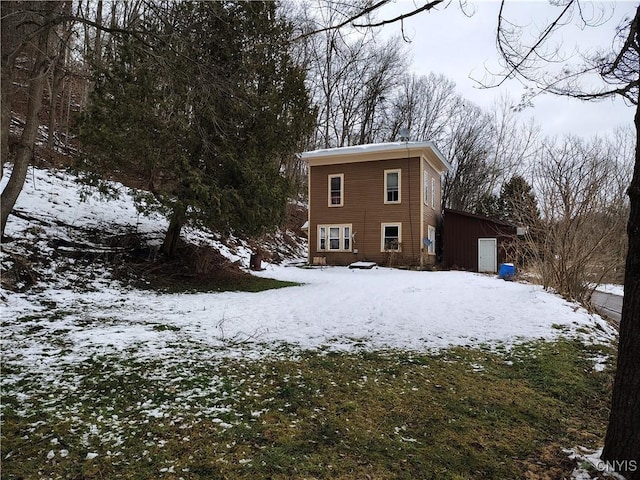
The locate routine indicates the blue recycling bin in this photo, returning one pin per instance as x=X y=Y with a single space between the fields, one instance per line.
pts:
x=507 y=271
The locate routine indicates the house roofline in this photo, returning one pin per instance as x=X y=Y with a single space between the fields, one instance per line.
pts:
x=373 y=151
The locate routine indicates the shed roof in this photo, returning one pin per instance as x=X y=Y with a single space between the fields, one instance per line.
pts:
x=378 y=151
x=477 y=216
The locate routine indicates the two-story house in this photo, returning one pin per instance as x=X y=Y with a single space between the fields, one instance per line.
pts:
x=377 y=203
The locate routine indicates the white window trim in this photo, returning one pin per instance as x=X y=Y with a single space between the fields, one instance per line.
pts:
x=399 y=172
x=341 y=237
x=382 y=227
x=334 y=175
x=431 y=235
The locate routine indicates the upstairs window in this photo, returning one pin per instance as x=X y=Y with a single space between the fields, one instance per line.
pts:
x=425 y=182
x=336 y=190
x=433 y=192
x=392 y=186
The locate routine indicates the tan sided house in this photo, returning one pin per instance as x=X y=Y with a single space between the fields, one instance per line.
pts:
x=377 y=203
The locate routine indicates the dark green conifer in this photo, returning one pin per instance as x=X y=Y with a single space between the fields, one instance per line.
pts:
x=202 y=109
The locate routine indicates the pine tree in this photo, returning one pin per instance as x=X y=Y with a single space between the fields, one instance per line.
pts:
x=517 y=203
x=488 y=205
x=205 y=108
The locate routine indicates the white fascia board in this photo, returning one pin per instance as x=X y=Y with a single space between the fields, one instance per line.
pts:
x=372 y=148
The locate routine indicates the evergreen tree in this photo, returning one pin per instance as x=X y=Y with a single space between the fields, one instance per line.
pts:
x=205 y=107
x=489 y=205
x=517 y=203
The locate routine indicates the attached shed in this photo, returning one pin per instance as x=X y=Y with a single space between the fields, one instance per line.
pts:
x=475 y=242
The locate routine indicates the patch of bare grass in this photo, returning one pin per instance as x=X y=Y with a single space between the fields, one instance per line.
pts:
x=463 y=413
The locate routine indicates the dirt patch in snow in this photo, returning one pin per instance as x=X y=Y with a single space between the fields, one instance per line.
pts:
x=193 y=268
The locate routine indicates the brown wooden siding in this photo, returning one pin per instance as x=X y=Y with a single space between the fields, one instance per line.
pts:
x=460 y=238
x=431 y=216
x=365 y=210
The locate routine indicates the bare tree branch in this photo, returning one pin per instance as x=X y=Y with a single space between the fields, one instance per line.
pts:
x=517 y=66
x=400 y=18
x=344 y=23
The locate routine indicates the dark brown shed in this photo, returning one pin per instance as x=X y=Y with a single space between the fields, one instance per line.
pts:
x=475 y=242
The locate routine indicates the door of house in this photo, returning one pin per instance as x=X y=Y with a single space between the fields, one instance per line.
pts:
x=487 y=255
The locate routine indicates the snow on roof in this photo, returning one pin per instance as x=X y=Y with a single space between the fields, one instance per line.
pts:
x=376 y=148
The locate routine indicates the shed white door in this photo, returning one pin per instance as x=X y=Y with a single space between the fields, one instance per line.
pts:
x=488 y=255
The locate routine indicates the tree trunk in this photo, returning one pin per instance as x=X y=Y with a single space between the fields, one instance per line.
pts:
x=9 y=45
x=56 y=105
x=622 y=442
x=26 y=145
x=7 y=85
x=56 y=86
x=172 y=237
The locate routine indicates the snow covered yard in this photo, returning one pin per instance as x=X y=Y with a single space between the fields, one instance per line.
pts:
x=96 y=373
x=334 y=308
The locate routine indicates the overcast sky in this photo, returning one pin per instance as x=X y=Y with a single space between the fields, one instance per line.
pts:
x=463 y=48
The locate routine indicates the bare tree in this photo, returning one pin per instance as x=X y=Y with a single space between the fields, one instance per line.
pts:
x=471 y=175
x=33 y=28
x=37 y=36
x=351 y=74
x=514 y=143
x=619 y=69
x=571 y=245
x=426 y=106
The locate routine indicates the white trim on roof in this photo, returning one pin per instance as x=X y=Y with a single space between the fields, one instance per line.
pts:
x=372 y=148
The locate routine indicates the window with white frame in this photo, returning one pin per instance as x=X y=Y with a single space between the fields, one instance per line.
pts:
x=336 y=190
x=334 y=238
x=322 y=238
x=431 y=235
x=391 y=237
x=392 y=186
x=433 y=192
x=346 y=238
x=425 y=182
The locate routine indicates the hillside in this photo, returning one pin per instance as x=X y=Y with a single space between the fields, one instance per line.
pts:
x=54 y=228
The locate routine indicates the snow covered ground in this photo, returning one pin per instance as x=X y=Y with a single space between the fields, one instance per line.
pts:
x=335 y=307
x=78 y=315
